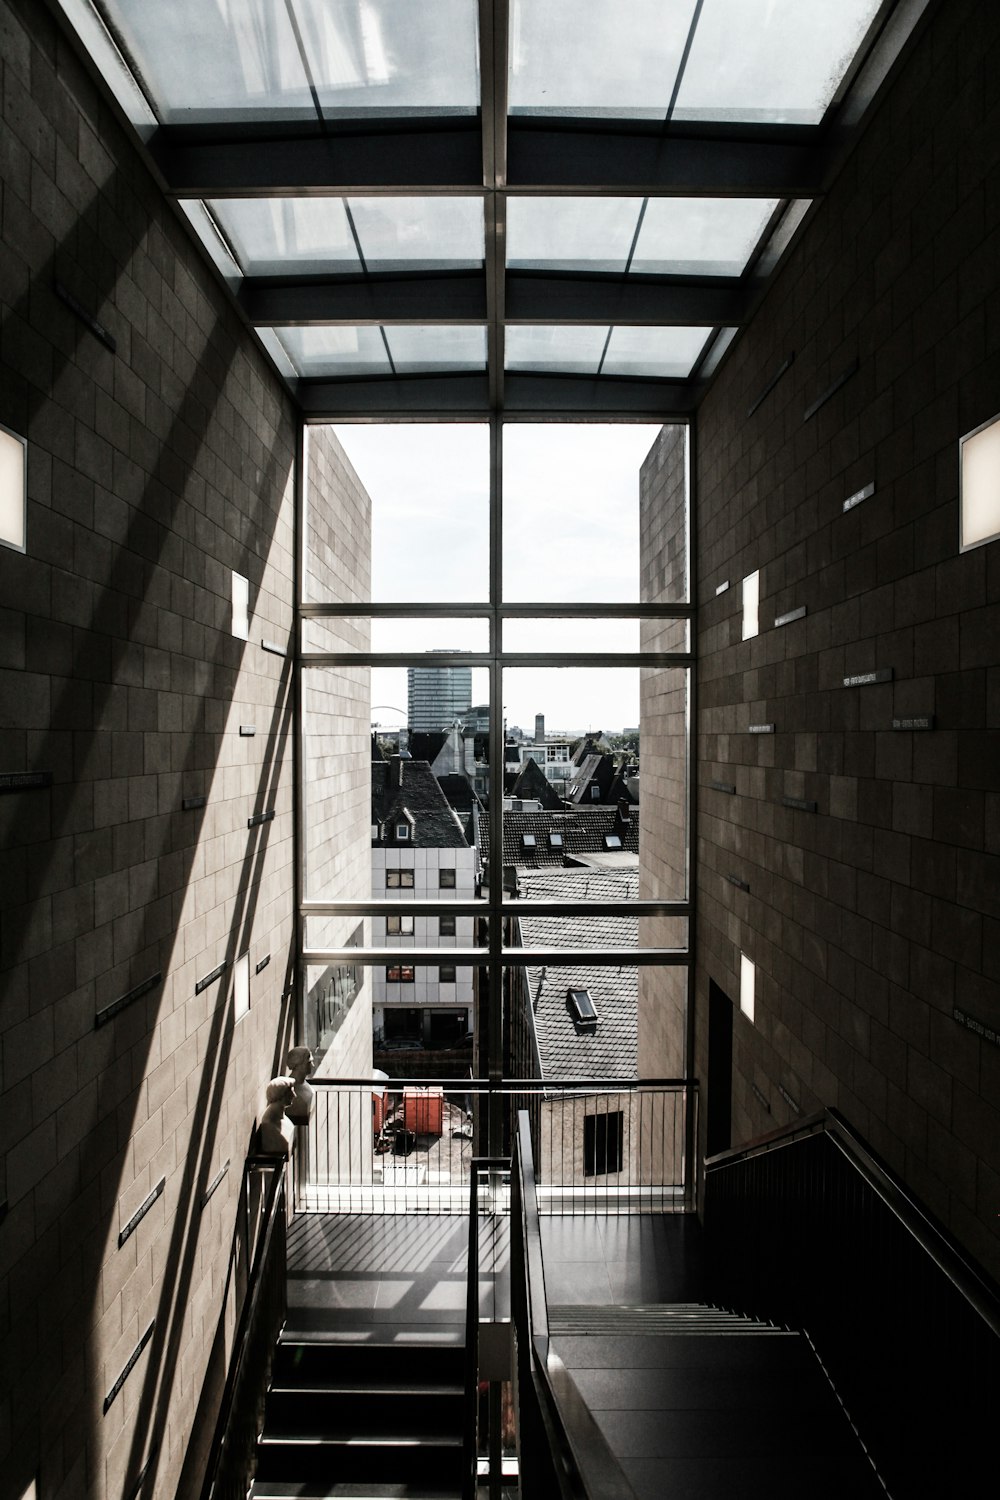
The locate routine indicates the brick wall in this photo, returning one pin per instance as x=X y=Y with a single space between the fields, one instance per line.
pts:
x=872 y=918
x=154 y=472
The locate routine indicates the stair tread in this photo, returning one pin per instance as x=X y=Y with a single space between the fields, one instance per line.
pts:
x=365 y=1388
x=373 y=1439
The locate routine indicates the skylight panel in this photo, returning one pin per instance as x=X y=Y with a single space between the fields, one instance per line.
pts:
x=596 y=57
x=661 y=353
x=201 y=62
x=573 y=234
x=284 y=236
x=778 y=61
x=332 y=351
x=567 y=349
x=380 y=57
x=416 y=348
x=419 y=234
x=700 y=236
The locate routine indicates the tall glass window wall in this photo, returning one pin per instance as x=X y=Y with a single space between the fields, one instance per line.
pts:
x=474 y=871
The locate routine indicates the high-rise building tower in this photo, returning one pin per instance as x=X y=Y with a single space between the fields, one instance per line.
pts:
x=437 y=696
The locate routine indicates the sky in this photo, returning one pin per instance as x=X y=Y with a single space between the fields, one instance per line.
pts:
x=570 y=534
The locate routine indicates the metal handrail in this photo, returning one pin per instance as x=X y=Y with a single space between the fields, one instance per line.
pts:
x=583 y=1464
x=470 y=1445
x=932 y=1237
x=274 y=1209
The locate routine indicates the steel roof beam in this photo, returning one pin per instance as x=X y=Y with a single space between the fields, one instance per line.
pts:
x=468 y=395
x=542 y=158
x=461 y=297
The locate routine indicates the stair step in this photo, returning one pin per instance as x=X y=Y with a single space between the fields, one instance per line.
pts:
x=655 y=1320
x=362 y=1415
x=308 y=1363
x=430 y=1460
x=294 y=1489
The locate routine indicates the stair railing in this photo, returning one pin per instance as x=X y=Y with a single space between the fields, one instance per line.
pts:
x=493 y=1165
x=231 y=1458
x=810 y=1227
x=561 y=1449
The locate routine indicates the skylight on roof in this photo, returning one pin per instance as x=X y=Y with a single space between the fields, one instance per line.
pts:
x=266 y=61
x=774 y=61
x=582 y=1006
x=644 y=236
x=589 y=350
x=363 y=349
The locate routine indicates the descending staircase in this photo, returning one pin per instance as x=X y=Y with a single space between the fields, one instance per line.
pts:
x=699 y=1403
x=362 y=1420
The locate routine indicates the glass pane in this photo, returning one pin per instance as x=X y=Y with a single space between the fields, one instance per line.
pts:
x=571 y=510
x=599 y=783
x=335 y=350
x=587 y=57
x=276 y=236
x=575 y=234
x=658 y=352
x=544 y=634
x=332 y=995
x=336 y=823
x=427 y=492
x=700 y=236
x=424 y=234
x=416 y=348
x=439 y=716
x=377 y=56
x=564 y=349
x=773 y=60
x=215 y=62
x=416 y=633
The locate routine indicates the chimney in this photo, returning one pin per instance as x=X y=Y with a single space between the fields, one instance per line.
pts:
x=539 y=729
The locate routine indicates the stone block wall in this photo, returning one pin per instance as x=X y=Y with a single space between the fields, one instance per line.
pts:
x=155 y=470
x=866 y=857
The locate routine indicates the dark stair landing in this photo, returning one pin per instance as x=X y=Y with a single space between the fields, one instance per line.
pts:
x=344 y=1419
x=701 y=1404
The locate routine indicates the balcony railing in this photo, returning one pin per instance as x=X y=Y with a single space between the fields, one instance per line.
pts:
x=405 y=1146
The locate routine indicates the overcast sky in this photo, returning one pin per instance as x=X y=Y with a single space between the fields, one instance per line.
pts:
x=571 y=534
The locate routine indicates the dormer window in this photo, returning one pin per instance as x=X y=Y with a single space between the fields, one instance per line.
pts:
x=595 y=794
x=402 y=830
x=582 y=1007
x=612 y=841
x=528 y=840
x=555 y=840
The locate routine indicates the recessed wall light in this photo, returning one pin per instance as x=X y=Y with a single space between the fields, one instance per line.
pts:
x=751 y=603
x=979 y=485
x=13 y=490
x=748 y=978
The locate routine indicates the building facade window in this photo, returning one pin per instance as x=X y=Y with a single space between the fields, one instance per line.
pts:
x=399 y=926
x=399 y=880
x=399 y=973
x=602 y=1143
x=446 y=880
x=446 y=927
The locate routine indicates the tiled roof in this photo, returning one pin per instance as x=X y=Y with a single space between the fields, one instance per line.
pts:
x=583 y=831
x=566 y=1049
x=407 y=791
x=530 y=782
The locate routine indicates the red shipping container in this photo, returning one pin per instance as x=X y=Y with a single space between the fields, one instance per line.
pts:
x=423 y=1110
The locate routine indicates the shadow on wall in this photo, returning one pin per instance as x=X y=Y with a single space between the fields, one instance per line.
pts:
x=117 y=554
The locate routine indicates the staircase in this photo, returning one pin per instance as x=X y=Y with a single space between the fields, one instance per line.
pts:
x=699 y=1403
x=362 y=1420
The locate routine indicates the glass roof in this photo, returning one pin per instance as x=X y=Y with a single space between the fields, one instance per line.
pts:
x=652 y=236
x=206 y=60
x=283 y=236
x=652 y=352
x=750 y=60
x=334 y=350
x=345 y=159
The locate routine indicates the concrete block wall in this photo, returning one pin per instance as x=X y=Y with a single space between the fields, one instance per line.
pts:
x=154 y=472
x=336 y=709
x=873 y=920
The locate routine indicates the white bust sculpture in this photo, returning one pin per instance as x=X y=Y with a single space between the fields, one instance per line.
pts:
x=277 y=1133
x=299 y=1064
